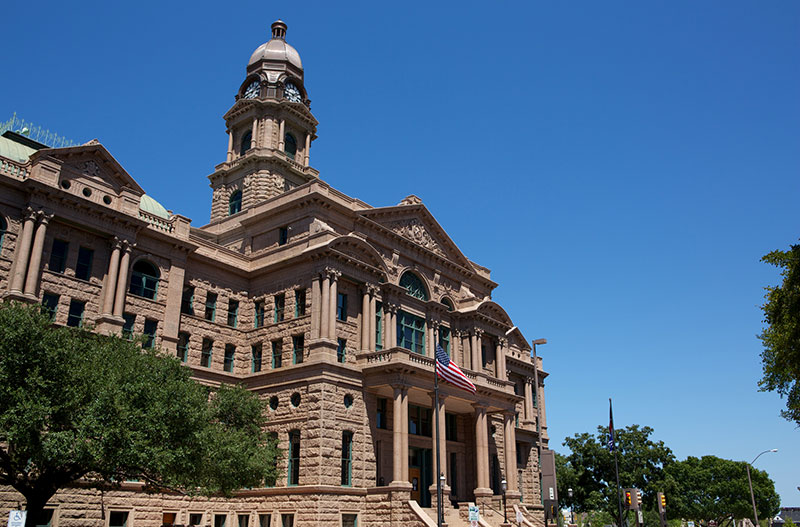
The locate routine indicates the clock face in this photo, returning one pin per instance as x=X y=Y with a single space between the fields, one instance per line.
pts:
x=251 y=92
x=291 y=92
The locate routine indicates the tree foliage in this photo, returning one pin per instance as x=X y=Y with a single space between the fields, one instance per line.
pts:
x=711 y=488
x=589 y=468
x=781 y=356
x=75 y=405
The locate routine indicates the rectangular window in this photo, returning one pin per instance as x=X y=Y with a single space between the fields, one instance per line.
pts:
x=380 y=416
x=219 y=520
x=349 y=520
x=183 y=346
x=277 y=354
x=195 y=519
x=287 y=520
x=256 y=353
x=50 y=305
x=230 y=352
x=280 y=305
x=233 y=312
x=299 y=303
x=453 y=473
x=211 y=306
x=264 y=520
x=419 y=421
x=411 y=332
x=205 y=353
x=58 y=256
x=484 y=356
x=341 y=307
x=347 y=458
x=118 y=519
x=150 y=326
x=450 y=427
x=168 y=518
x=293 y=474
x=378 y=326
x=83 y=269
x=244 y=520
x=45 y=518
x=127 y=327
x=341 y=350
x=75 y=317
x=283 y=235
x=269 y=481
x=298 y=343
x=259 y=317
x=187 y=300
x=444 y=339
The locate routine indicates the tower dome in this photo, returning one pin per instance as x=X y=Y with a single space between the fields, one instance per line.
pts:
x=276 y=49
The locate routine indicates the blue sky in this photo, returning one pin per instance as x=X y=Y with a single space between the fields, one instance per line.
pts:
x=620 y=166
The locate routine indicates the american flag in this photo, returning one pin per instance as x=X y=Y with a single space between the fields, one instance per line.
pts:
x=449 y=371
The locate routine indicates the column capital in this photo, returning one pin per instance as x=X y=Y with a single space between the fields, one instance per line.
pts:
x=332 y=274
x=479 y=407
x=478 y=332
x=29 y=214
x=402 y=387
x=43 y=217
x=502 y=341
x=372 y=289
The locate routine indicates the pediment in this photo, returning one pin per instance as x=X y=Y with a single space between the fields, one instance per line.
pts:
x=415 y=223
x=94 y=166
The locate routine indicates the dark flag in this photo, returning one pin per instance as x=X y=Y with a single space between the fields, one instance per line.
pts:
x=610 y=427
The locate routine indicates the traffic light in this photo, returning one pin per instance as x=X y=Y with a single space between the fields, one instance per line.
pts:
x=628 y=498
x=633 y=499
x=638 y=499
x=662 y=502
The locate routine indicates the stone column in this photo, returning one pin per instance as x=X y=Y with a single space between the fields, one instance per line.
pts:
x=35 y=264
x=308 y=149
x=365 y=319
x=110 y=282
x=441 y=436
x=325 y=307
x=475 y=359
x=387 y=325
x=481 y=452
x=500 y=359
x=510 y=451
x=373 y=304
x=429 y=339
x=529 y=413
x=316 y=307
x=254 y=133
x=404 y=430
x=333 y=299
x=397 y=436
x=23 y=253
x=393 y=327
x=229 y=158
x=479 y=349
x=281 y=134
x=466 y=354
x=122 y=280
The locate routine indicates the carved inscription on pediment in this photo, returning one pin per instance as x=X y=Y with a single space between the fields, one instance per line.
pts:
x=416 y=232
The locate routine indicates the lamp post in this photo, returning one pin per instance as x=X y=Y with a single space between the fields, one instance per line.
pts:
x=750 y=482
x=571 y=512
x=440 y=513
x=504 y=486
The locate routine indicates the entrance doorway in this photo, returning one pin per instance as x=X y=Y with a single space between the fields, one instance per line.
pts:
x=420 y=472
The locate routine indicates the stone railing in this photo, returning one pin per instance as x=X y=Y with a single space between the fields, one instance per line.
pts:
x=14 y=169
x=158 y=222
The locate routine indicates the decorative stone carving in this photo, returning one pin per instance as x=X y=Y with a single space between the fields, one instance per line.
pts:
x=91 y=169
x=411 y=200
x=416 y=232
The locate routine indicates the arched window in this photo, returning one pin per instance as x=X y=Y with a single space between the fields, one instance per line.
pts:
x=235 y=203
x=414 y=286
x=247 y=140
x=347 y=458
x=293 y=475
x=448 y=303
x=144 y=281
x=290 y=145
x=3 y=228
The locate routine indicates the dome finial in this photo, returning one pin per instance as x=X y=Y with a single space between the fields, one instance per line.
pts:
x=279 y=30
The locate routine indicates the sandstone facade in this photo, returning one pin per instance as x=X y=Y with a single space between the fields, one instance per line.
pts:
x=325 y=306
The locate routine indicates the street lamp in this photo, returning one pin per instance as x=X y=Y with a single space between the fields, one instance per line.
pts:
x=571 y=513
x=440 y=513
x=504 y=486
x=750 y=482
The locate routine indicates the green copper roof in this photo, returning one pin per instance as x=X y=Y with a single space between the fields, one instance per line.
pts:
x=13 y=150
x=148 y=204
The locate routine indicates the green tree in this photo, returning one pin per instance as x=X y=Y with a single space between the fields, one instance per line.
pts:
x=641 y=465
x=75 y=405
x=711 y=488
x=781 y=356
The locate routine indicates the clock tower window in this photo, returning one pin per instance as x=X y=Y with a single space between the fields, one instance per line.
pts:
x=290 y=145
x=235 y=203
x=247 y=141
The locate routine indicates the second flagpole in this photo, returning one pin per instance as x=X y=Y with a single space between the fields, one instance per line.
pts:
x=439 y=511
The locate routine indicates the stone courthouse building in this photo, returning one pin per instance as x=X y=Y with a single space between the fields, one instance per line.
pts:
x=327 y=307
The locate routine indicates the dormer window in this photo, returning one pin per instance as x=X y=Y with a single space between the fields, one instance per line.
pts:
x=247 y=141
x=290 y=145
x=235 y=203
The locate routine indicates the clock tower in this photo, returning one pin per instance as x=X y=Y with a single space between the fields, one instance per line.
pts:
x=270 y=130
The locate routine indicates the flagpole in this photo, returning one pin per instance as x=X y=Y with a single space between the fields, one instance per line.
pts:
x=439 y=515
x=616 y=466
